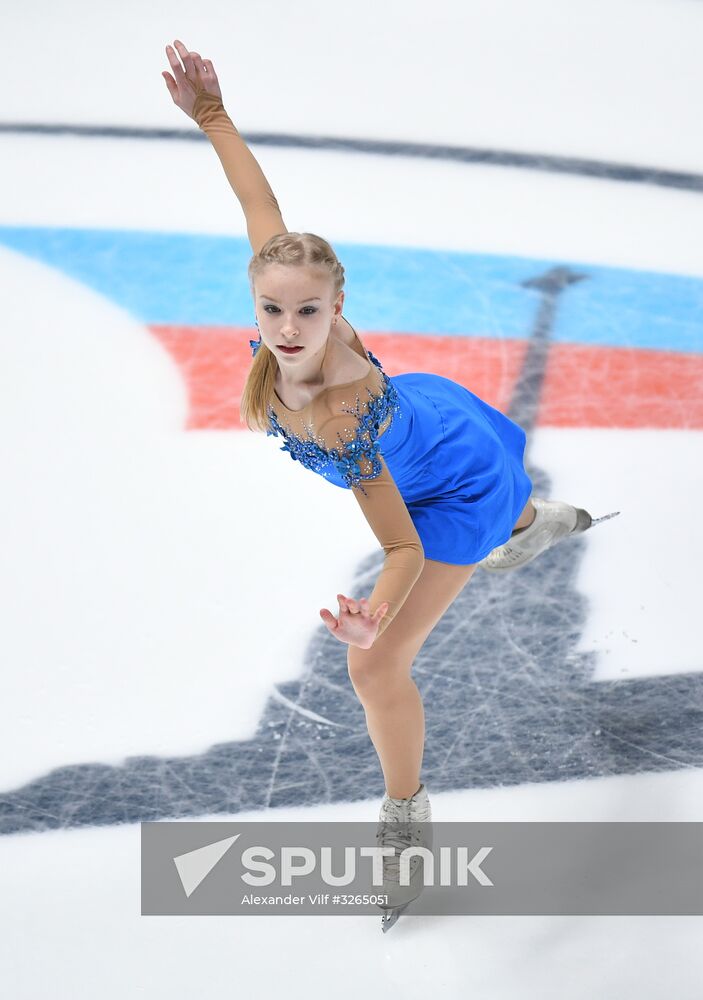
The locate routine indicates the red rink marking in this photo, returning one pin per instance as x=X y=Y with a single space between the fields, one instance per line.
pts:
x=584 y=385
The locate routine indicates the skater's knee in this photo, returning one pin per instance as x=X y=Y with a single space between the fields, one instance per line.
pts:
x=376 y=675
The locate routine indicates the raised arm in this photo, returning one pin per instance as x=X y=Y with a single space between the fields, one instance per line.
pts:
x=261 y=211
x=196 y=91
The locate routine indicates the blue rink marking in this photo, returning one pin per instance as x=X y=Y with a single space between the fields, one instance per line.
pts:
x=200 y=280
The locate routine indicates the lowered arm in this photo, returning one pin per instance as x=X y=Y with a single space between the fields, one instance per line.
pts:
x=388 y=517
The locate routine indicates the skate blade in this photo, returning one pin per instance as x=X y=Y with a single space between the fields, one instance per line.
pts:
x=584 y=521
x=597 y=520
x=391 y=915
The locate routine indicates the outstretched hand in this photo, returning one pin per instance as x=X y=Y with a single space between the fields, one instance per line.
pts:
x=356 y=625
x=199 y=74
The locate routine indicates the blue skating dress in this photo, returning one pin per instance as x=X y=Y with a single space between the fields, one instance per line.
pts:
x=456 y=461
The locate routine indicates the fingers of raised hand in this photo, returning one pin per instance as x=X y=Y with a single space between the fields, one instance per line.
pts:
x=174 y=62
x=192 y=61
x=186 y=56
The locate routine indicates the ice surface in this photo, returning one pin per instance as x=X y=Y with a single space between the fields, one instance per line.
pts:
x=153 y=667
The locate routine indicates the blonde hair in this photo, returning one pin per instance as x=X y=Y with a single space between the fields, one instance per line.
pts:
x=292 y=250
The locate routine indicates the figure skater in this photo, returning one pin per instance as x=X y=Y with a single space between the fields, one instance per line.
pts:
x=437 y=472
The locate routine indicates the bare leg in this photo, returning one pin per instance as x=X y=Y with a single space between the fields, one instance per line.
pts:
x=396 y=725
x=381 y=675
x=527 y=517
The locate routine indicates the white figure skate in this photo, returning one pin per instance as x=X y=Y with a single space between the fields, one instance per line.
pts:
x=553 y=521
x=403 y=823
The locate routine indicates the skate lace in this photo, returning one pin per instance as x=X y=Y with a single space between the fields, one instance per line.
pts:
x=516 y=550
x=394 y=835
x=505 y=553
x=397 y=830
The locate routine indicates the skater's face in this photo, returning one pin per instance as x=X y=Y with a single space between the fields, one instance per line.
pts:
x=295 y=308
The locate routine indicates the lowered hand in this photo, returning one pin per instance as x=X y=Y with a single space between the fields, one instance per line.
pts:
x=356 y=625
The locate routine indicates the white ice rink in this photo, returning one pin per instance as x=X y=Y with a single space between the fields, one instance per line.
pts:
x=140 y=613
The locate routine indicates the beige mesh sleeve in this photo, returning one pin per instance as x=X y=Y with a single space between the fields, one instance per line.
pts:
x=247 y=179
x=387 y=515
